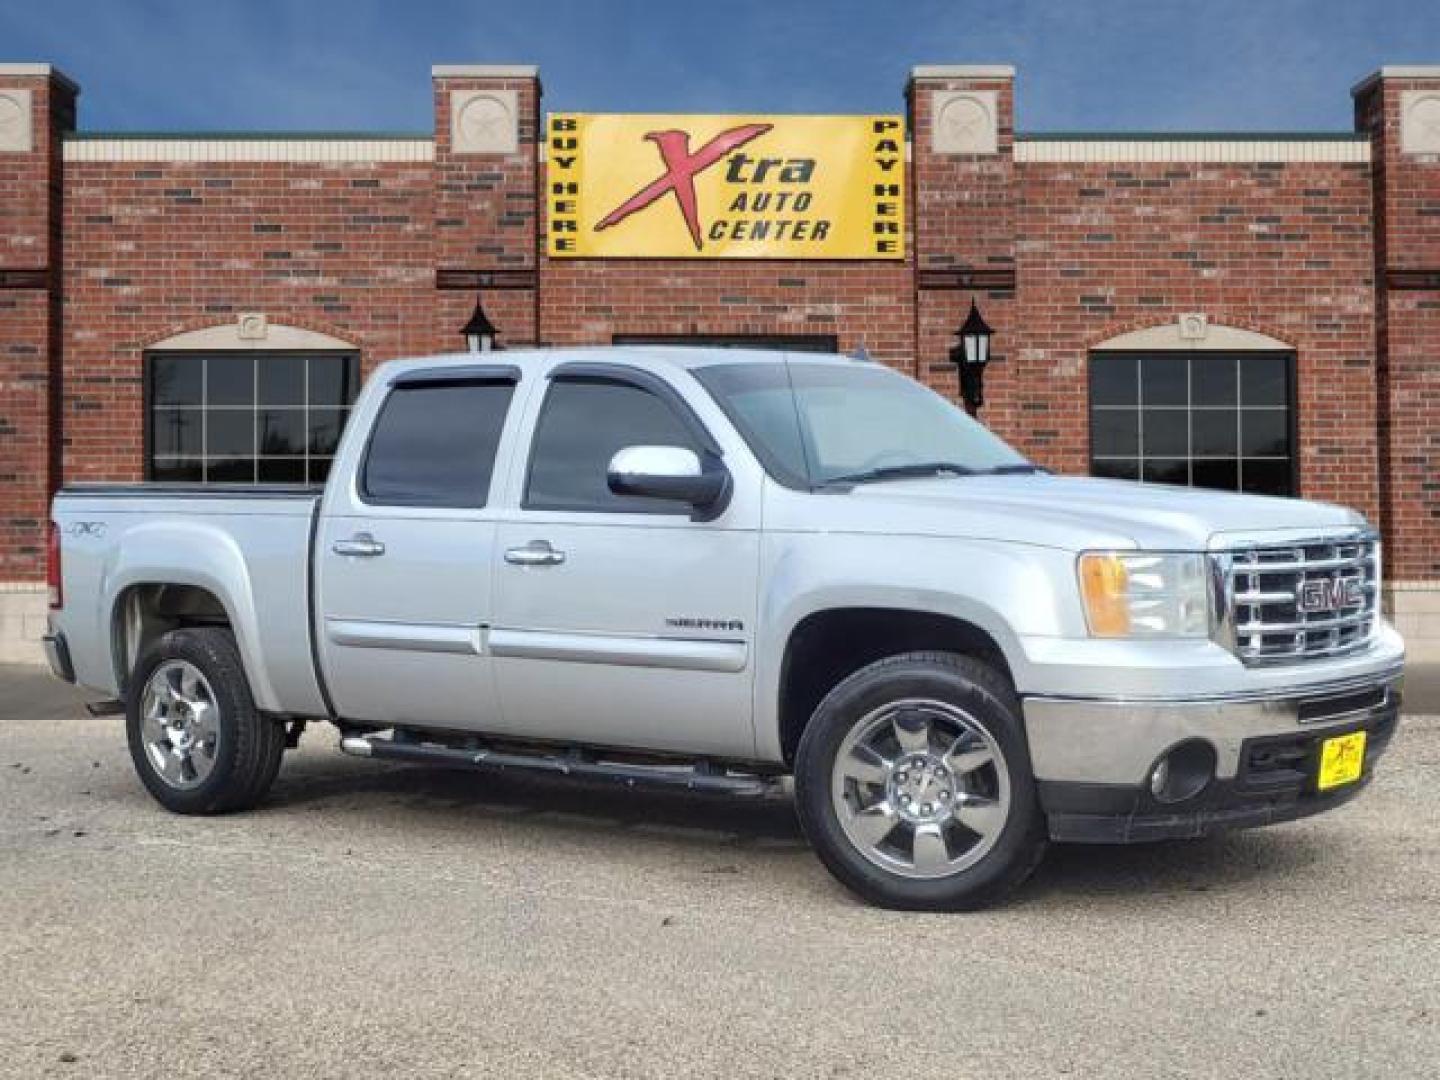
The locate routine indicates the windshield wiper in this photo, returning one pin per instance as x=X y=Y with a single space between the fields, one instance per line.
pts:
x=901 y=472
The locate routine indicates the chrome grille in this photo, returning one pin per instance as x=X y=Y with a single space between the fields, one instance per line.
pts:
x=1266 y=617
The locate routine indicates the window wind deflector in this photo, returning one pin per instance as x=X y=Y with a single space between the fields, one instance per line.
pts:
x=900 y=472
x=458 y=375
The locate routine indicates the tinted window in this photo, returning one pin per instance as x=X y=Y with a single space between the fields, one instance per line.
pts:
x=1113 y=380
x=1216 y=420
x=582 y=425
x=435 y=445
x=266 y=417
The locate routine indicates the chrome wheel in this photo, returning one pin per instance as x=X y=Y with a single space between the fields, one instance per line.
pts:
x=921 y=788
x=180 y=724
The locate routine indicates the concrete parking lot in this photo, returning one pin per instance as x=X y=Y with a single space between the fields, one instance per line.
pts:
x=373 y=920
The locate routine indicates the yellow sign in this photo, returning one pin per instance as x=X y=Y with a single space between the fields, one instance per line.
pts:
x=1342 y=760
x=727 y=187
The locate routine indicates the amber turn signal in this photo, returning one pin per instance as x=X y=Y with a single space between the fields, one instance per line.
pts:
x=1104 y=587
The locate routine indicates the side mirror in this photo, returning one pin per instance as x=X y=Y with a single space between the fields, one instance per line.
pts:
x=668 y=472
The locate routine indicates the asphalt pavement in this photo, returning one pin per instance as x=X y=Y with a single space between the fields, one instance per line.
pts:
x=373 y=920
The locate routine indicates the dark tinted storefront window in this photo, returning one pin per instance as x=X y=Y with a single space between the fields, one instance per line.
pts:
x=246 y=418
x=1214 y=420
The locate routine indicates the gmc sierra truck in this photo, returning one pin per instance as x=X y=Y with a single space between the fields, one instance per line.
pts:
x=715 y=569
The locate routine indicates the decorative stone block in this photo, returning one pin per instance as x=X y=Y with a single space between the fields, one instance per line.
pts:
x=252 y=326
x=16 y=129
x=484 y=122
x=1194 y=326
x=1420 y=122
x=965 y=122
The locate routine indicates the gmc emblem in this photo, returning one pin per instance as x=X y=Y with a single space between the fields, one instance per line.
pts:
x=1329 y=594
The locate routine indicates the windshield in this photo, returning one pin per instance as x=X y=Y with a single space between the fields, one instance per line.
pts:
x=851 y=424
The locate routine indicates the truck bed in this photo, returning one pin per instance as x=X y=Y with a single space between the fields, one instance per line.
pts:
x=252 y=542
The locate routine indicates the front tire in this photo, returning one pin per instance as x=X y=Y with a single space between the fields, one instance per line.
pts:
x=198 y=743
x=913 y=784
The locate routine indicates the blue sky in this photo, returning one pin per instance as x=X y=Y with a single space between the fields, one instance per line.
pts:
x=364 y=64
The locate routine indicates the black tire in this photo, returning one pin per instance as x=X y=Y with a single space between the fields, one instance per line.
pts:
x=987 y=699
x=250 y=744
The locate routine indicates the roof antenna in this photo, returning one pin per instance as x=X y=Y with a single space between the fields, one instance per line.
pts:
x=861 y=355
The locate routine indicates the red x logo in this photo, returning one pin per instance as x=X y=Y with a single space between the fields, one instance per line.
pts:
x=681 y=168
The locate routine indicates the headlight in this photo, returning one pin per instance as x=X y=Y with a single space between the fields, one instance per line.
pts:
x=1138 y=594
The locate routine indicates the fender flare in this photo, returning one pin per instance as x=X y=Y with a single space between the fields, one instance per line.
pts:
x=194 y=554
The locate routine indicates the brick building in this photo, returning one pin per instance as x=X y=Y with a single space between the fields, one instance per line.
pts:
x=1269 y=304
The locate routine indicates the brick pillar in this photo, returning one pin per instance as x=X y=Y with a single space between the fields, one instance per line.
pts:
x=963 y=206
x=1400 y=108
x=486 y=205
x=37 y=105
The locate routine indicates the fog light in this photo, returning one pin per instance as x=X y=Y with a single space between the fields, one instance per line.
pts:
x=1160 y=778
x=1183 y=771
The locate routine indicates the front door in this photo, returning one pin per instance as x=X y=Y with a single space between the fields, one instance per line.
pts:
x=405 y=556
x=621 y=620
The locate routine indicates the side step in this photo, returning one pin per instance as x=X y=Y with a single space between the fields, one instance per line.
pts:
x=701 y=776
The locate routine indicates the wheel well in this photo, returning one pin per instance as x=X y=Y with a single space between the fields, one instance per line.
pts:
x=145 y=612
x=829 y=645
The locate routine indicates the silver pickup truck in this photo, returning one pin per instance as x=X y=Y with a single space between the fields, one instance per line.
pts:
x=715 y=568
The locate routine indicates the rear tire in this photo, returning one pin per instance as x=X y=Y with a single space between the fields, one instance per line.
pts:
x=198 y=743
x=913 y=784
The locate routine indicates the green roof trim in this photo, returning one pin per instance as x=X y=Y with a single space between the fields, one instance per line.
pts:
x=251 y=136
x=1191 y=136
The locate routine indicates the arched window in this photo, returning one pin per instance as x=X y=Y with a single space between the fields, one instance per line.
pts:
x=1219 y=413
x=222 y=410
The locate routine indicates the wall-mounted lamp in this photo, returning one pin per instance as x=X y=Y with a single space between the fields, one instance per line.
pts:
x=480 y=333
x=970 y=354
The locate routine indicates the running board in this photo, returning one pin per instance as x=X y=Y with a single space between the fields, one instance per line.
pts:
x=105 y=708
x=700 y=776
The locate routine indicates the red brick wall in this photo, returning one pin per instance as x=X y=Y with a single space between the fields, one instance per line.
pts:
x=1060 y=256
x=1283 y=249
x=350 y=249
x=24 y=419
x=30 y=195
x=157 y=248
x=963 y=209
x=1101 y=249
x=586 y=302
x=1407 y=209
x=486 y=211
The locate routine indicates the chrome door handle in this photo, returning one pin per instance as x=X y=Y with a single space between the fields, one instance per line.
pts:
x=535 y=553
x=361 y=544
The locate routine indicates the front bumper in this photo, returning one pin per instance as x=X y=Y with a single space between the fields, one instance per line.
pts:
x=1093 y=757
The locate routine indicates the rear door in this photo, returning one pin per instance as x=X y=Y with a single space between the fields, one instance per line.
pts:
x=620 y=620
x=405 y=554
